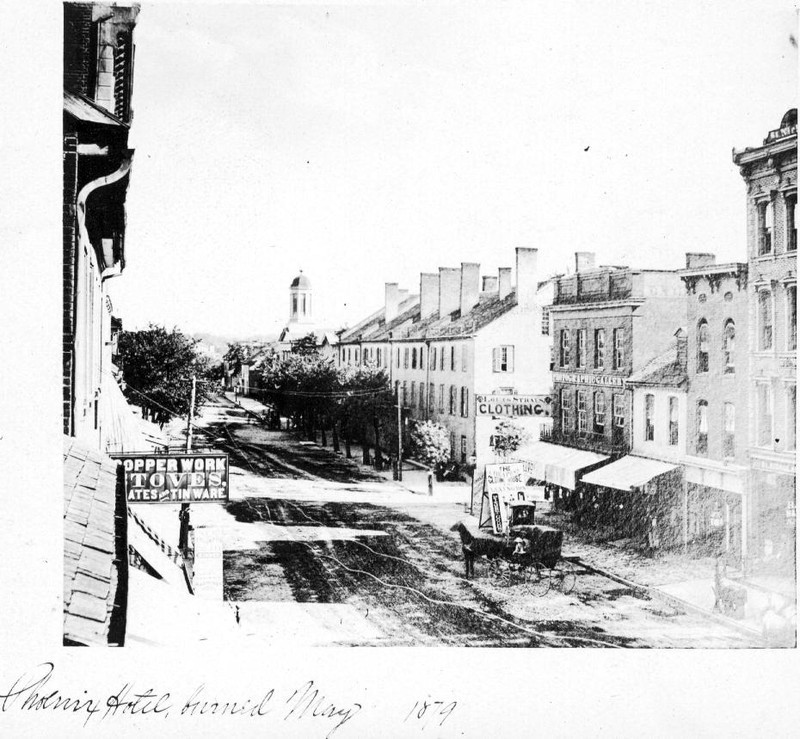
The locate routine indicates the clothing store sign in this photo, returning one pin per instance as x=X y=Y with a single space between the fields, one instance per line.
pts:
x=175 y=478
x=513 y=406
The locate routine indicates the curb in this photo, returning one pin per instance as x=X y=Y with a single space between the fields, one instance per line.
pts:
x=673 y=600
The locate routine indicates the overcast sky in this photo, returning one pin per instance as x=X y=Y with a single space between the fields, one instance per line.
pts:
x=366 y=144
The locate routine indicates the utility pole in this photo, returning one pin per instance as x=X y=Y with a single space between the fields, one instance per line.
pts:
x=183 y=537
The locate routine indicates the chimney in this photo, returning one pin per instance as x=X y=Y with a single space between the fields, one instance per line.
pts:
x=449 y=290
x=470 y=276
x=490 y=284
x=696 y=259
x=428 y=294
x=584 y=261
x=682 y=348
x=527 y=277
x=392 y=301
x=504 y=282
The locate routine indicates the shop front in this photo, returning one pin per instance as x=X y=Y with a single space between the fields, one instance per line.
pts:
x=634 y=498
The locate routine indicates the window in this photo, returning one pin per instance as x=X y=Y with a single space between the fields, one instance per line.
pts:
x=422 y=357
x=397 y=390
x=599 y=348
x=728 y=346
x=414 y=358
x=580 y=347
x=619 y=410
x=452 y=358
x=728 y=429
x=702 y=346
x=546 y=320
x=764 y=405
x=441 y=398
x=453 y=395
x=463 y=449
x=433 y=357
x=791 y=417
x=465 y=402
x=431 y=398
x=649 y=417
x=673 y=421
x=563 y=353
x=294 y=304
x=405 y=357
x=619 y=355
x=791 y=317
x=452 y=444
x=357 y=356
x=413 y=399
x=404 y=394
x=791 y=223
x=766 y=219
x=702 y=427
x=463 y=357
x=599 y=412
x=566 y=410
x=764 y=320
x=441 y=358
x=422 y=397
x=398 y=357
x=503 y=359
x=581 y=410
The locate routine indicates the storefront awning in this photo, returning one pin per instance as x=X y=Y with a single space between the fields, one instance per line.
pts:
x=628 y=473
x=559 y=465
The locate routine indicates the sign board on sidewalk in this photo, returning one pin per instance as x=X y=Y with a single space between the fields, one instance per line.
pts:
x=175 y=478
x=502 y=484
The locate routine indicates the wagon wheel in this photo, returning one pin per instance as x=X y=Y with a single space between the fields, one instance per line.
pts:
x=564 y=575
x=499 y=572
x=536 y=579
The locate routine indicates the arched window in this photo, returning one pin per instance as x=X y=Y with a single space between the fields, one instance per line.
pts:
x=728 y=345
x=702 y=346
x=702 y=427
x=764 y=320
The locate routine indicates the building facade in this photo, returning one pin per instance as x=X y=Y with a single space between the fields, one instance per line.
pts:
x=770 y=175
x=98 y=74
x=717 y=410
x=607 y=323
x=460 y=337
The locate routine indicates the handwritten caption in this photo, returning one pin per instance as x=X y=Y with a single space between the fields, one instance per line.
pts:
x=35 y=691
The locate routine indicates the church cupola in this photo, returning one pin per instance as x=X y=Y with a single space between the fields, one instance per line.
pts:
x=300 y=300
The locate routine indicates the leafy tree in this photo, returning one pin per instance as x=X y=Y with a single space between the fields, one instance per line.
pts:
x=157 y=367
x=306 y=345
x=234 y=356
x=508 y=437
x=430 y=443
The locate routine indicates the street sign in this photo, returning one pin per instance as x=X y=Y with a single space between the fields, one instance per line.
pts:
x=175 y=478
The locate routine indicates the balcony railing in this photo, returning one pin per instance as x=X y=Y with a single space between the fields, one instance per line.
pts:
x=586 y=440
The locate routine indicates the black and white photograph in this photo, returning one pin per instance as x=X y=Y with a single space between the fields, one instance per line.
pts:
x=416 y=325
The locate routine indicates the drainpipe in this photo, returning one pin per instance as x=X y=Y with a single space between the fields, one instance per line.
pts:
x=84 y=242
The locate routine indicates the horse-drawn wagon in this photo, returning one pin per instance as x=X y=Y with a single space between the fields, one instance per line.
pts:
x=527 y=554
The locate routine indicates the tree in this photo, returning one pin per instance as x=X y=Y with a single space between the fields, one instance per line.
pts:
x=430 y=443
x=157 y=367
x=508 y=437
x=234 y=357
x=306 y=345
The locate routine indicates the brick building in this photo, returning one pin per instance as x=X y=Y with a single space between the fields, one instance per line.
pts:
x=770 y=174
x=717 y=408
x=98 y=73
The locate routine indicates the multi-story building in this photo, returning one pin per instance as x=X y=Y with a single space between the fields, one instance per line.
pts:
x=717 y=409
x=454 y=341
x=607 y=323
x=98 y=74
x=770 y=174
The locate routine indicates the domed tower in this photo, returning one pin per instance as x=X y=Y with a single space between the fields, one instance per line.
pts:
x=300 y=301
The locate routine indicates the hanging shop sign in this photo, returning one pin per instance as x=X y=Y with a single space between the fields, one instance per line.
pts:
x=585 y=378
x=175 y=478
x=513 y=405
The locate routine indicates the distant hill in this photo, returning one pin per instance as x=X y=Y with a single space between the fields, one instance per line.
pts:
x=220 y=342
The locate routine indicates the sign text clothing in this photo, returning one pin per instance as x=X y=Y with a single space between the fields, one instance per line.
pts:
x=513 y=405
x=175 y=478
